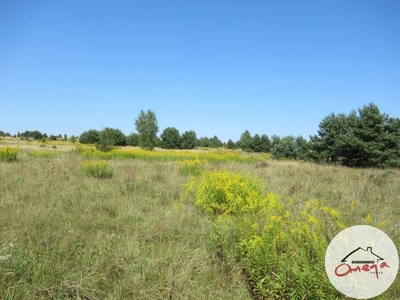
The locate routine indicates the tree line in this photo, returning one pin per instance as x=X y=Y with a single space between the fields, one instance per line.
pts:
x=37 y=135
x=363 y=138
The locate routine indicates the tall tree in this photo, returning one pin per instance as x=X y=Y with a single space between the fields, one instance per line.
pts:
x=215 y=142
x=170 y=138
x=286 y=149
x=146 y=126
x=204 y=142
x=188 y=140
x=256 y=143
x=275 y=140
x=89 y=137
x=364 y=138
x=266 y=144
x=246 y=141
x=231 y=145
x=132 y=139
x=333 y=135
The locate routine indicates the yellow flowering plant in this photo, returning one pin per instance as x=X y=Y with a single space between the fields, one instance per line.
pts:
x=282 y=252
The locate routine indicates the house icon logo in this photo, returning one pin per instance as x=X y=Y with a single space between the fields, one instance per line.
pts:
x=361 y=262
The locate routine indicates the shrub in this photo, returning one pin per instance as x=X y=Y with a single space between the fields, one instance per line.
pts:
x=98 y=169
x=89 y=137
x=72 y=139
x=146 y=126
x=290 y=147
x=170 y=138
x=282 y=254
x=8 y=153
x=106 y=140
x=188 y=140
x=132 y=139
x=191 y=167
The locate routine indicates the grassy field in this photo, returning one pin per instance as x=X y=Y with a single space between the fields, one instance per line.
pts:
x=67 y=234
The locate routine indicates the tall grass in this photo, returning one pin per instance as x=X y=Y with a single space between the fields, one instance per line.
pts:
x=281 y=253
x=170 y=155
x=8 y=153
x=66 y=235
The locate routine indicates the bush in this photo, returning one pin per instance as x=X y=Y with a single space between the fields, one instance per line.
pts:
x=8 y=153
x=188 y=140
x=282 y=253
x=291 y=148
x=89 y=137
x=98 y=169
x=132 y=139
x=146 y=126
x=170 y=138
x=191 y=167
x=110 y=137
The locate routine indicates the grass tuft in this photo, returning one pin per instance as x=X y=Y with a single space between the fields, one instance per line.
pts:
x=98 y=169
x=8 y=153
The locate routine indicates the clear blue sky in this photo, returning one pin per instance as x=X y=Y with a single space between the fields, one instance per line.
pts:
x=215 y=67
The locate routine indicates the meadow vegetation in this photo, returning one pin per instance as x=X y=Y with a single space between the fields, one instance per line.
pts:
x=135 y=224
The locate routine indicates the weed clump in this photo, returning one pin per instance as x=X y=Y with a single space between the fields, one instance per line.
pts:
x=98 y=169
x=191 y=167
x=8 y=153
x=281 y=252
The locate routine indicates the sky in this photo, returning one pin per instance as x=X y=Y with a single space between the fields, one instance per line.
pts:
x=213 y=66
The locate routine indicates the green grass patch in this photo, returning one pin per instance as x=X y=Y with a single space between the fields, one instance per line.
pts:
x=8 y=153
x=282 y=253
x=98 y=169
x=130 y=236
x=191 y=167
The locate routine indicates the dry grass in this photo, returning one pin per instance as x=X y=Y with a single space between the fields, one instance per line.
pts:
x=66 y=235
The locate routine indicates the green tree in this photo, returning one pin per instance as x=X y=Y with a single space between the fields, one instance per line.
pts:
x=275 y=140
x=266 y=144
x=231 y=144
x=364 y=138
x=146 y=126
x=204 y=142
x=333 y=134
x=106 y=140
x=257 y=146
x=289 y=148
x=109 y=138
x=373 y=144
x=132 y=139
x=89 y=137
x=215 y=142
x=246 y=141
x=170 y=138
x=72 y=139
x=188 y=140
x=65 y=137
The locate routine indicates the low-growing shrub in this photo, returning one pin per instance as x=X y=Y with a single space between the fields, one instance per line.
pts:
x=98 y=169
x=191 y=167
x=8 y=153
x=282 y=253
